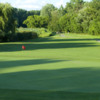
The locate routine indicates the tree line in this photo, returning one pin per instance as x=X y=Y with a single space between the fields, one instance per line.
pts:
x=7 y=20
x=11 y=19
x=77 y=16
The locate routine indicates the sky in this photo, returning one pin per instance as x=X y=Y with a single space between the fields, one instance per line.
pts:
x=35 y=4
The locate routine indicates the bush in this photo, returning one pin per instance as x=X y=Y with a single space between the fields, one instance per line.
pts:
x=24 y=36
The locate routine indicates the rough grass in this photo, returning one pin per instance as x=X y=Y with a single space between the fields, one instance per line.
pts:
x=41 y=32
x=51 y=68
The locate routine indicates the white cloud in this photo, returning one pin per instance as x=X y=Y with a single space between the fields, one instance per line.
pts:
x=44 y=2
x=29 y=7
x=30 y=1
x=35 y=4
x=26 y=4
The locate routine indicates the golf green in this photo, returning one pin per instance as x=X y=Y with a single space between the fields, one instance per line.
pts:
x=51 y=68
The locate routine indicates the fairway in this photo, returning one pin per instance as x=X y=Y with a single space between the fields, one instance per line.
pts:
x=51 y=68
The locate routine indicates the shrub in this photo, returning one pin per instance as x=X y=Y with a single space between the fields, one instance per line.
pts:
x=24 y=36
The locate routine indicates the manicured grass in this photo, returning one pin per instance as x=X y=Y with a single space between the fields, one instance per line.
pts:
x=53 y=68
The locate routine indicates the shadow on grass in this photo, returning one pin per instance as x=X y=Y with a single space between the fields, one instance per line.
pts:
x=60 y=84
x=33 y=45
x=48 y=39
x=8 y=64
x=9 y=94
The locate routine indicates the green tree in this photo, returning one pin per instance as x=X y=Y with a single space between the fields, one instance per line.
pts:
x=94 y=27
x=46 y=10
x=74 y=6
x=55 y=16
x=36 y=21
x=88 y=17
x=7 y=21
x=21 y=15
x=54 y=23
x=61 y=11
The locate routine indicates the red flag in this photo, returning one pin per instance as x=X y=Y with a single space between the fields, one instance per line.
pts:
x=23 y=47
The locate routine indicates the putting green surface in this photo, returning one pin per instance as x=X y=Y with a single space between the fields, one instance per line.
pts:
x=51 y=68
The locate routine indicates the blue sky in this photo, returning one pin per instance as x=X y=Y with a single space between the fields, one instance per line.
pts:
x=35 y=4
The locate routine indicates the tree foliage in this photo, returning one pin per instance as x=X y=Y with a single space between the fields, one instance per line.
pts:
x=74 y=6
x=21 y=15
x=46 y=10
x=54 y=23
x=79 y=17
x=36 y=21
x=7 y=20
x=76 y=17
